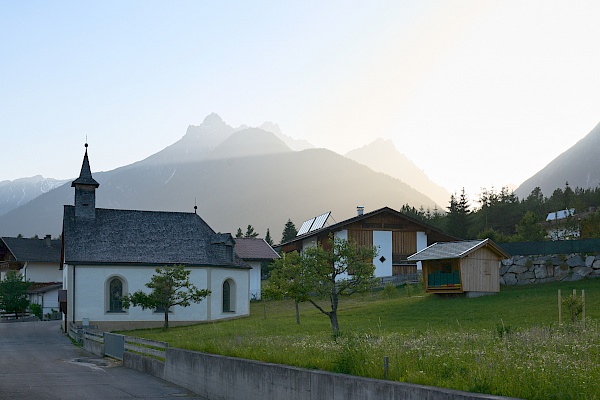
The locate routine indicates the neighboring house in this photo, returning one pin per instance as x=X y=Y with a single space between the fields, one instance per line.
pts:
x=470 y=267
x=37 y=260
x=563 y=225
x=254 y=252
x=395 y=235
x=109 y=253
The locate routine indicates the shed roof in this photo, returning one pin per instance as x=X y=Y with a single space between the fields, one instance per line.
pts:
x=254 y=249
x=33 y=250
x=144 y=237
x=460 y=249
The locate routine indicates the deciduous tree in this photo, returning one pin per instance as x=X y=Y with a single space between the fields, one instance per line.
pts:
x=325 y=273
x=13 y=293
x=170 y=286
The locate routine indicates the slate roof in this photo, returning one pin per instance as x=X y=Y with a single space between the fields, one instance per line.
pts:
x=144 y=237
x=254 y=249
x=33 y=250
x=448 y=250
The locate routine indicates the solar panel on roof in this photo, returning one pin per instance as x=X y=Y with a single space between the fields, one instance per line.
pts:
x=319 y=221
x=305 y=227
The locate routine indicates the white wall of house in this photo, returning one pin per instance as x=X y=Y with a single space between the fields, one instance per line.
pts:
x=48 y=300
x=382 y=240
x=255 y=279
x=41 y=272
x=89 y=298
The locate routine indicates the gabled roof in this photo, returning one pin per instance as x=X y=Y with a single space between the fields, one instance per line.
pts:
x=254 y=249
x=338 y=226
x=448 y=250
x=144 y=237
x=33 y=250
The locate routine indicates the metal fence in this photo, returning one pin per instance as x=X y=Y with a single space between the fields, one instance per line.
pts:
x=114 y=345
x=552 y=247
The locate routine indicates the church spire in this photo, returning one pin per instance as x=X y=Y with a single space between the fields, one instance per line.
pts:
x=85 y=190
x=85 y=176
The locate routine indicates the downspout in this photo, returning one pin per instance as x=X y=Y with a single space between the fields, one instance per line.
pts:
x=73 y=313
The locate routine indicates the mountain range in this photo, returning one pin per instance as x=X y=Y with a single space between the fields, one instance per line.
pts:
x=237 y=177
x=20 y=191
x=262 y=177
x=579 y=166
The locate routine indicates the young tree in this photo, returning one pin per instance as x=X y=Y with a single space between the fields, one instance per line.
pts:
x=250 y=232
x=289 y=231
x=239 y=233
x=288 y=280
x=170 y=286
x=327 y=272
x=13 y=293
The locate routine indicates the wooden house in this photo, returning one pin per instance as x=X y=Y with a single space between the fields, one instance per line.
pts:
x=470 y=267
x=395 y=235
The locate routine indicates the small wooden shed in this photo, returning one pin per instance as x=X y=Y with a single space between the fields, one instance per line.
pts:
x=471 y=267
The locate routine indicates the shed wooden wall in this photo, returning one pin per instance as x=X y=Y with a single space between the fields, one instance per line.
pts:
x=480 y=272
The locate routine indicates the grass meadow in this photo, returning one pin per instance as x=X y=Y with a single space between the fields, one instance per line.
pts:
x=508 y=344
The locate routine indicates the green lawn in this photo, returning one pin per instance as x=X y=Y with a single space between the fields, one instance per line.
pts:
x=507 y=344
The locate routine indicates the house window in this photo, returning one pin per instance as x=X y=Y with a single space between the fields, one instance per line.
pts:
x=228 y=296
x=115 y=295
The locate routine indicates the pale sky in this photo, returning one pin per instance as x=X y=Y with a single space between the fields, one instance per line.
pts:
x=476 y=93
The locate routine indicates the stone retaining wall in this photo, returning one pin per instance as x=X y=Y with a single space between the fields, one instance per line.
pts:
x=525 y=270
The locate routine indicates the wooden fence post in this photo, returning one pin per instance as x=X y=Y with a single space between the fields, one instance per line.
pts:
x=559 y=308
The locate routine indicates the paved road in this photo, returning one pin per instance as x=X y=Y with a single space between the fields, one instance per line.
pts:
x=38 y=362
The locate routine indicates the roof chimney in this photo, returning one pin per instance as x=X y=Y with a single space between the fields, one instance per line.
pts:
x=48 y=240
x=360 y=210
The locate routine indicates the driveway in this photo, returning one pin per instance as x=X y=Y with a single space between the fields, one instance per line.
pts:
x=38 y=362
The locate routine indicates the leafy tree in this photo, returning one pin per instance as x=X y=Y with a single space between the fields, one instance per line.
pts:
x=250 y=232
x=13 y=293
x=288 y=279
x=324 y=273
x=170 y=286
x=239 y=233
x=289 y=231
x=268 y=238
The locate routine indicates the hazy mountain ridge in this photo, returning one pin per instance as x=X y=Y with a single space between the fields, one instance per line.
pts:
x=382 y=156
x=579 y=165
x=234 y=185
x=20 y=191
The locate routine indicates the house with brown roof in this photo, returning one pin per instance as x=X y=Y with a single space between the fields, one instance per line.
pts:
x=108 y=253
x=470 y=267
x=395 y=235
x=255 y=252
x=36 y=260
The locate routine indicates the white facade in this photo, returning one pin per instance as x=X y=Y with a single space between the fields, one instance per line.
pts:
x=255 y=279
x=41 y=272
x=88 y=294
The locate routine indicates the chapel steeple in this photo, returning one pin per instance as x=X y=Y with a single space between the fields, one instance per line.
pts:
x=85 y=190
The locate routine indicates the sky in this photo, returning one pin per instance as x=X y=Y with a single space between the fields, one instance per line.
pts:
x=478 y=94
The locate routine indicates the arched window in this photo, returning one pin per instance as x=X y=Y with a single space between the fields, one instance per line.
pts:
x=228 y=296
x=115 y=294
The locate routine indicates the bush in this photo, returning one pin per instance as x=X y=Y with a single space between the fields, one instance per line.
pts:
x=36 y=310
